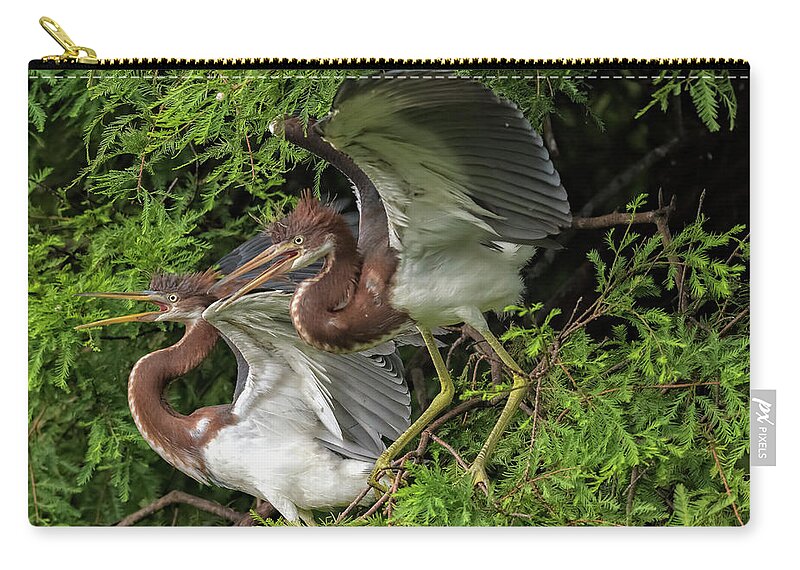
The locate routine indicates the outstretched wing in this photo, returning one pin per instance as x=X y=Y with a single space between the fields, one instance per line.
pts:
x=449 y=154
x=358 y=398
x=372 y=391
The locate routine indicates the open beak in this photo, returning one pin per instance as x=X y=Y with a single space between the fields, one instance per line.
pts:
x=284 y=254
x=132 y=296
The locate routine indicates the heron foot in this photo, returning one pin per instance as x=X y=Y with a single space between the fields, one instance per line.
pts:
x=477 y=472
x=378 y=471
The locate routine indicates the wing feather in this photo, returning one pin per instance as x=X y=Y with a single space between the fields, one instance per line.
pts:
x=449 y=144
x=358 y=398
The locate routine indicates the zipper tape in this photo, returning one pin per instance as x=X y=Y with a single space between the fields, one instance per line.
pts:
x=597 y=64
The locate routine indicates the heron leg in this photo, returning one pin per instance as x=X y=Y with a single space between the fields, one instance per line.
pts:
x=439 y=403
x=478 y=469
x=307 y=517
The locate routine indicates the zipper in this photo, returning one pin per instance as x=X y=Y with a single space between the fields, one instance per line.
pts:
x=72 y=52
x=80 y=57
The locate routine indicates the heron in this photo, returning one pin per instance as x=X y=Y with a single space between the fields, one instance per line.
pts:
x=304 y=428
x=468 y=191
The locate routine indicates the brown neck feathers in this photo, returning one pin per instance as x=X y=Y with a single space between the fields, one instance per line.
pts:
x=346 y=306
x=165 y=430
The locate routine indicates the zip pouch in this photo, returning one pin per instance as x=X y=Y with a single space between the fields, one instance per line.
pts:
x=388 y=292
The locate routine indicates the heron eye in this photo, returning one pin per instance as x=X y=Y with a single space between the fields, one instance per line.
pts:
x=298 y=240
x=172 y=298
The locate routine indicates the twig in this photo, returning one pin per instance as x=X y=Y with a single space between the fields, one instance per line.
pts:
x=571 y=379
x=665 y=496
x=635 y=476
x=464 y=406
x=725 y=483
x=141 y=172
x=250 y=152
x=172 y=185
x=700 y=203
x=476 y=367
x=35 y=423
x=733 y=321
x=666 y=239
x=736 y=249
x=374 y=508
x=352 y=505
x=174 y=497
x=33 y=491
x=482 y=346
x=460 y=340
x=624 y=218
x=527 y=409
x=574 y=311
x=390 y=501
x=452 y=451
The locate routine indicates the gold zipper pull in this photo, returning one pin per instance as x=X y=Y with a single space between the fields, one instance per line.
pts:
x=72 y=52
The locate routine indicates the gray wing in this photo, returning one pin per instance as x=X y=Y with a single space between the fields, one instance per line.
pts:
x=372 y=396
x=454 y=140
x=358 y=410
x=367 y=395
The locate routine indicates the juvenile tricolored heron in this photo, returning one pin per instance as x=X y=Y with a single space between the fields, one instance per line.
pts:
x=304 y=428
x=468 y=189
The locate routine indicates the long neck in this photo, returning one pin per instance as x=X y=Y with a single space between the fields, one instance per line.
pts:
x=173 y=435
x=373 y=226
x=346 y=306
x=332 y=289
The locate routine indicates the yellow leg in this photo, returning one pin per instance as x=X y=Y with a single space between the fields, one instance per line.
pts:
x=478 y=469
x=440 y=402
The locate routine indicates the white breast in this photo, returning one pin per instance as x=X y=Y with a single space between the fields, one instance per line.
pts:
x=271 y=452
x=446 y=286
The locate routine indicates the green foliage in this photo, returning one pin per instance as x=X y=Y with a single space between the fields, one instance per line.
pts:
x=134 y=172
x=130 y=173
x=537 y=92
x=708 y=90
x=629 y=421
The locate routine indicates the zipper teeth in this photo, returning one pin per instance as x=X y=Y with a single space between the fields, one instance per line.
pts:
x=333 y=63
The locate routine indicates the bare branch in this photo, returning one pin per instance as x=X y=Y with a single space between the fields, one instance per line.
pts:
x=735 y=320
x=174 y=497
x=483 y=348
x=452 y=451
x=624 y=218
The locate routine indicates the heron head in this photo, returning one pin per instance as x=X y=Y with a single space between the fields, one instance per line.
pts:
x=309 y=233
x=178 y=298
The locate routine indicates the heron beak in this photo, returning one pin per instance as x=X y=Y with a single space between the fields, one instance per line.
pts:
x=284 y=253
x=133 y=296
